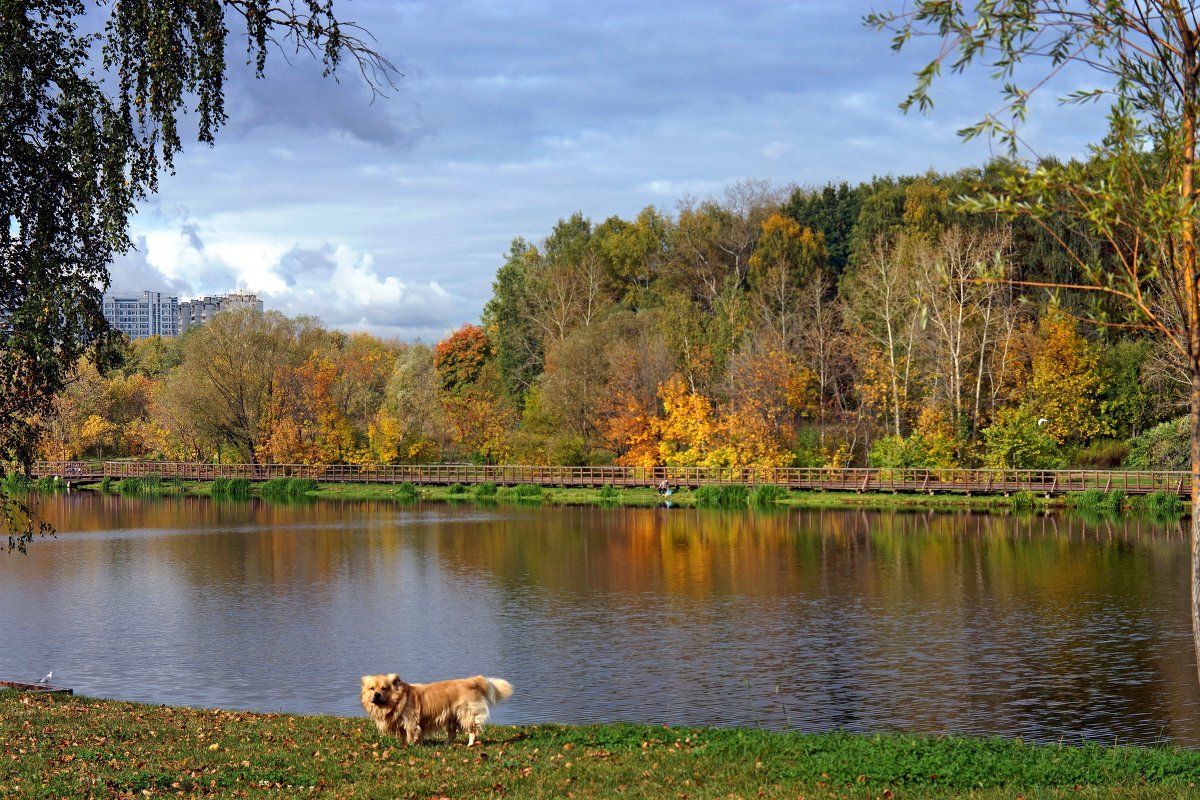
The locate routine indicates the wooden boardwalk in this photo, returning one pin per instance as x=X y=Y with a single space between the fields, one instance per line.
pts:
x=931 y=481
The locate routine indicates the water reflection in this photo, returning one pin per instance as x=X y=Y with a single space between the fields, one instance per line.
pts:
x=1044 y=627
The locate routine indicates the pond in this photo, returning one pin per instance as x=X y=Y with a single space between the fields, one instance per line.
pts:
x=1045 y=627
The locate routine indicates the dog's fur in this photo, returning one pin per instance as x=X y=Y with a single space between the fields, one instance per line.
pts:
x=412 y=710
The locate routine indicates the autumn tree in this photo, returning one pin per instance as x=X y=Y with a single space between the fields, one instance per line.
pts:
x=411 y=425
x=785 y=259
x=224 y=383
x=472 y=395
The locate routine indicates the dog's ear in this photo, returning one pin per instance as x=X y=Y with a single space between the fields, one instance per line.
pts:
x=366 y=679
x=394 y=679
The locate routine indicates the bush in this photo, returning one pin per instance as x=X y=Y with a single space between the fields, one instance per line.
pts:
x=1167 y=446
x=527 y=490
x=767 y=495
x=608 y=492
x=485 y=490
x=456 y=489
x=106 y=484
x=407 y=489
x=220 y=487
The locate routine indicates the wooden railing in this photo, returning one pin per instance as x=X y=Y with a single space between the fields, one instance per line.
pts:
x=977 y=481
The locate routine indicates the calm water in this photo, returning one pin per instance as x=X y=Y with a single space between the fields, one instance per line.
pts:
x=1042 y=627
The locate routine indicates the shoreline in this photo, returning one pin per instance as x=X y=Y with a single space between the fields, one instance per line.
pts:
x=610 y=497
x=70 y=746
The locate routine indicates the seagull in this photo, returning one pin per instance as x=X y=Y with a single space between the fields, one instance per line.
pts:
x=47 y=677
x=1042 y=421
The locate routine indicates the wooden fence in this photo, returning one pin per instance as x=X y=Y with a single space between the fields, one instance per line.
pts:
x=932 y=481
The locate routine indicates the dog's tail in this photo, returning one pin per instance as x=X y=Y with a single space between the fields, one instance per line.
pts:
x=497 y=689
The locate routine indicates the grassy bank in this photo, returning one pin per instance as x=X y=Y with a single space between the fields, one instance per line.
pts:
x=77 y=747
x=1160 y=505
x=603 y=496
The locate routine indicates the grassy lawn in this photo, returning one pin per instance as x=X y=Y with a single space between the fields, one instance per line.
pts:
x=81 y=747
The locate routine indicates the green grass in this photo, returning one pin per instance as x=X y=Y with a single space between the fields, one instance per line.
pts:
x=1159 y=504
x=286 y=488
x=724 y=496
x=767 y=495
x=1023 y=501
x=238 y=488
x=81 y=747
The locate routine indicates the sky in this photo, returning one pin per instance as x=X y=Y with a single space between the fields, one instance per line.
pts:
x=392 y=214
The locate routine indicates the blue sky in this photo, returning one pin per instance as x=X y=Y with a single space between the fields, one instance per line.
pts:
x=392 y=216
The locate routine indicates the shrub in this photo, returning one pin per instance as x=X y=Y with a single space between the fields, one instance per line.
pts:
x=407 y=489
x=608 y=492
x=767 y=495
x=220 y=487
x=527 y=490
x=485 y=490
x=456 y=489
x=106 y=484
x=1165 y=446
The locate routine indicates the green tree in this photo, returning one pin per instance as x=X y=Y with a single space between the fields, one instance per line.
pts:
x=1138 y=196
x=833 y=211
x=509 y=320
x=80 y=145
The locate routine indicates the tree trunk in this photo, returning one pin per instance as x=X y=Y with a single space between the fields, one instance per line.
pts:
x=1195 y=571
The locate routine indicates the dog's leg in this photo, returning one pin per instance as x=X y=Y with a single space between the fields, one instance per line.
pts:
x=451 y=730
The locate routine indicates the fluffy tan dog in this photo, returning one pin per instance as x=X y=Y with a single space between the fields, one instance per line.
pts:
x=415 y=709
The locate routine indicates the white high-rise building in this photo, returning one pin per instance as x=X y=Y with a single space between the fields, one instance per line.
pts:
x=140 y=316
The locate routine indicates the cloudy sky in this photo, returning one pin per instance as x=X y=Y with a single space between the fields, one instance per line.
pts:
x=393 y=215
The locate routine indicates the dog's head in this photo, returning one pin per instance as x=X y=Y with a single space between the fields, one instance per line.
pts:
x=383 y=691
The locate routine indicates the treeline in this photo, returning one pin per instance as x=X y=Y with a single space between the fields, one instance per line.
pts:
x=877 y=323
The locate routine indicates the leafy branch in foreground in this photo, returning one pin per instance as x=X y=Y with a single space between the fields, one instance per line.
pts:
x=80 y=145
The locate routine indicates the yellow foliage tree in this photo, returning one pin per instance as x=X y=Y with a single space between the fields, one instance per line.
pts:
x=687 y=427
x=1064 y=382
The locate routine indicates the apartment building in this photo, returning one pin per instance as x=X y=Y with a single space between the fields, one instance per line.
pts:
x=140 y=316
x=201 y=310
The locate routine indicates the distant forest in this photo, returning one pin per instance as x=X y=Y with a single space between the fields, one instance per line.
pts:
x=842 y=326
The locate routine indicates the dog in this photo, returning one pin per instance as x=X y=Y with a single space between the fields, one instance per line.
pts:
x=415 y=709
